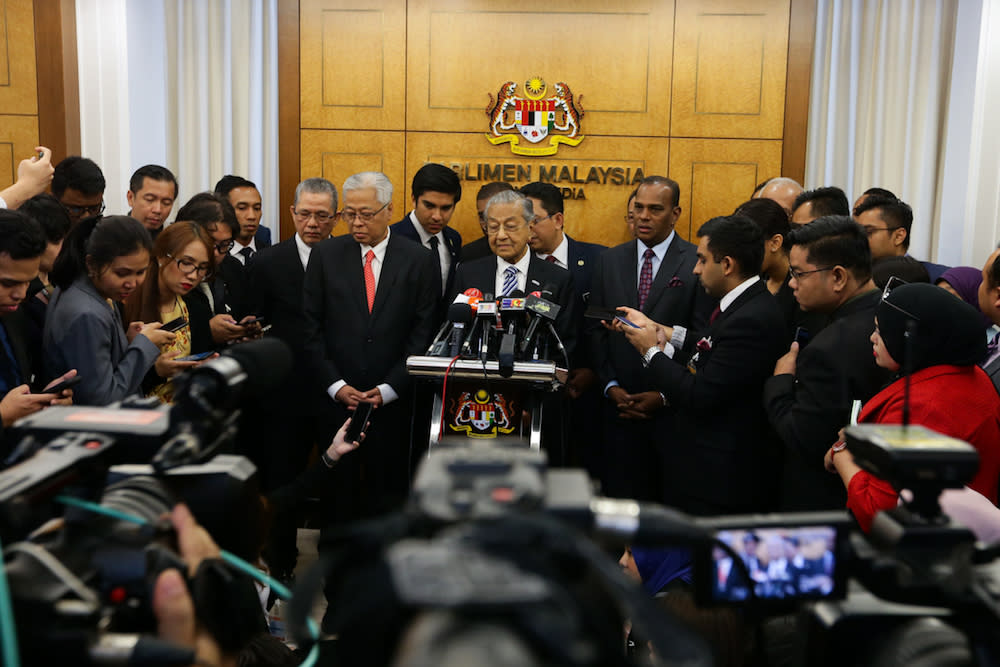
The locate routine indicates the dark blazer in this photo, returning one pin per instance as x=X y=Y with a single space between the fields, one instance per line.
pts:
x=262 y=239
x=452 y=239
x=17 y=325
x=477 y=249
x=582 y=257
x=717 y=460
x=275 y=278
x=229 y=292
x=676 y=297
x=993 y=370
x=809 y=408
x=482 y=275
x=346 y=342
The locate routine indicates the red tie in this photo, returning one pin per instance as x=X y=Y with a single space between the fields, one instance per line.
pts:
x=715 y=314
x=370 y=279
x=551 y=258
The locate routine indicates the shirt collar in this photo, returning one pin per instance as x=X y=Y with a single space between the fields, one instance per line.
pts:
x=421 y=232
x=522 y=264
x=304 y=250
x=734 y=293
x=660 y=249
x=561 y=253
x=237 y=246
x=379 y=248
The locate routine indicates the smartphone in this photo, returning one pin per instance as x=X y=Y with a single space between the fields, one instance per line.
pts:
x=195 y=357
x=65 y=384
x=253 y=320
x=175 y=325
x=801 y=336
x=359 y=421
x=600 y=313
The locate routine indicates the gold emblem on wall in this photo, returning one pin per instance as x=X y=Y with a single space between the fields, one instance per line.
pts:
x=534 y=117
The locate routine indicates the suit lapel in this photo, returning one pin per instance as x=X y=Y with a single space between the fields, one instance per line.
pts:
x=386 y=279
x=354 y=274
x=631 y=274
x=668 y=267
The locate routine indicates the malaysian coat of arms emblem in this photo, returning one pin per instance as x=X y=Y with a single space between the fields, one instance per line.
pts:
x=535 y=117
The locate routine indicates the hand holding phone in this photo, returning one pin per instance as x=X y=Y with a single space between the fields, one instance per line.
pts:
x=62 y=386
x=175 y=325
x=359 y=421
x=196 y=357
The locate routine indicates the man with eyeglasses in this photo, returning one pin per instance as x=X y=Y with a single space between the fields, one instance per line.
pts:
x=481 y=247
x=888 y=222
x=78 y=184
x=435 y=192
x=810 y=396
x=295 y=413
x=369 y=303
x=653 y=274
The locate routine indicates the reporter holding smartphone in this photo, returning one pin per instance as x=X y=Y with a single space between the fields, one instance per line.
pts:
x=182 y=257
x=102 y=262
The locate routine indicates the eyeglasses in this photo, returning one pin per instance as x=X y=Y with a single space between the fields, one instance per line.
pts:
x=537 y=220
x=189 y=266
x=366 y=216
x=510 y=227
x=222 y=247
x=870 y=231
x=890 y=285
x=798 y=274
x=84 y=211
x=321 y=216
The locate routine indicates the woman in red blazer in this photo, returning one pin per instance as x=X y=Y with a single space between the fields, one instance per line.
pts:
x=949 y=392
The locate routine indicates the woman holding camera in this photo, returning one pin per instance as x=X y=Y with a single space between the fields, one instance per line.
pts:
x=103 y=261
x=182 y=258
x=935 y=338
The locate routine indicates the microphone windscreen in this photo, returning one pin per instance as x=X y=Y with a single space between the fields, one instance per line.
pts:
x=473 y=292
x=460 y=313
x=267 y=362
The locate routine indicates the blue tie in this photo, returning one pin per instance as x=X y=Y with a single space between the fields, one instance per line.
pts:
x=509 y=280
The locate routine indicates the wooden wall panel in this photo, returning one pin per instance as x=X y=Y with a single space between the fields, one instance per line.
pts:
x=18 y=138
x=715 y=176
x=599 y=218
x=337 y=154
x=354 y=64
x=461 y=51
x=18 y=88
x=729 y=68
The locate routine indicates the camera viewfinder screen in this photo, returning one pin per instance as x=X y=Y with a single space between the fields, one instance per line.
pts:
x=784 y=563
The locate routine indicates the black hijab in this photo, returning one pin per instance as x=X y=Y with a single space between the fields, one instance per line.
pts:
x=946 y=331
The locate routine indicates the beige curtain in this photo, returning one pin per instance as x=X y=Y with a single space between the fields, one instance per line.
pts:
x=877 y=110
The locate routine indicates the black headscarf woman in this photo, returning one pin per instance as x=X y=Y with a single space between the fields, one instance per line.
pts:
x=945 y=330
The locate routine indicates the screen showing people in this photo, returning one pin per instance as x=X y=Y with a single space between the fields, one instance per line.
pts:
x=782 y=563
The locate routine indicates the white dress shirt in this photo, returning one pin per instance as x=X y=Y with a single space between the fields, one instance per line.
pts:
x=237 y=247
x=443 y=255
x=522 y=272
x=561 y=253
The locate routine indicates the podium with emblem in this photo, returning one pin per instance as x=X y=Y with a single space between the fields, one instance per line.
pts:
x=471 y=401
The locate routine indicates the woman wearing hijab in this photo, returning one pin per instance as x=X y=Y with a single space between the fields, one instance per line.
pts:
x=949 y=393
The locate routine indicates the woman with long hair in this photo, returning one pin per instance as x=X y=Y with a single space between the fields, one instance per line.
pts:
x=102 y=262
x=926 y=333
x=182 y=257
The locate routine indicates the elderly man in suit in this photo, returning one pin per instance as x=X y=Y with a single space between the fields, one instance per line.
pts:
x=435 y=192
x=370 y=298
x=720 y=457
x=292 y=420
x=653 y=274
x=989 y=303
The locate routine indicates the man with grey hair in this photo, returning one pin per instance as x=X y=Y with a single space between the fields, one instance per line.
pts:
x=293 y=416
x=369 y=302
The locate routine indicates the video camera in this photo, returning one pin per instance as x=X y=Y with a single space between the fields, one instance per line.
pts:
x=492 y=539
x=81 y=578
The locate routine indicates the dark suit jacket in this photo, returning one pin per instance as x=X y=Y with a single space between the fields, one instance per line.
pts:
x=262 y=239
x=477 y=249
x=809 y=408
x=614 y=283
x=18 y=327
x=993 y=370
x=482 y=275
x=582 y=257
x=275 y=278
x=452 y=239
x=717 y=458
x=346 y=342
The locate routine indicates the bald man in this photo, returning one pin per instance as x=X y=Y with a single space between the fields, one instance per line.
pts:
x=782 y=190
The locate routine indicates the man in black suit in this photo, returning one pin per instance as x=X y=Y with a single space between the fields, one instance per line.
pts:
x=293 y=418
x=509 y=215
x=718 y=458
x=989 y=303
x=435 y=192
x=810 y=396
x=481 y=247
x=653 y=274
x=369 y=304
x=244 y=197
x=549 y=241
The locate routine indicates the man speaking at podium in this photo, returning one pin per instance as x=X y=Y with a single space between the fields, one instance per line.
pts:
x=514 y=269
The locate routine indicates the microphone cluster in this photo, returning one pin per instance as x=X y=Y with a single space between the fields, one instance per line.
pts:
x=516 y=327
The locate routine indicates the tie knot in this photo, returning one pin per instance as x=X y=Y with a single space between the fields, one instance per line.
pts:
x=649 y=254
x=433 y=241
x=369 y=256
x=511 y=271
x=551 y=259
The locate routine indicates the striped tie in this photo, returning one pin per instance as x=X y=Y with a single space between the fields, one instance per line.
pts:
x=509 y=280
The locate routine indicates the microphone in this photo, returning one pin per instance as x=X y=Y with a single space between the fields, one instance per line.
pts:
x=486 y=314
x=439 y=346
x=543 y=310
x=459 y=314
